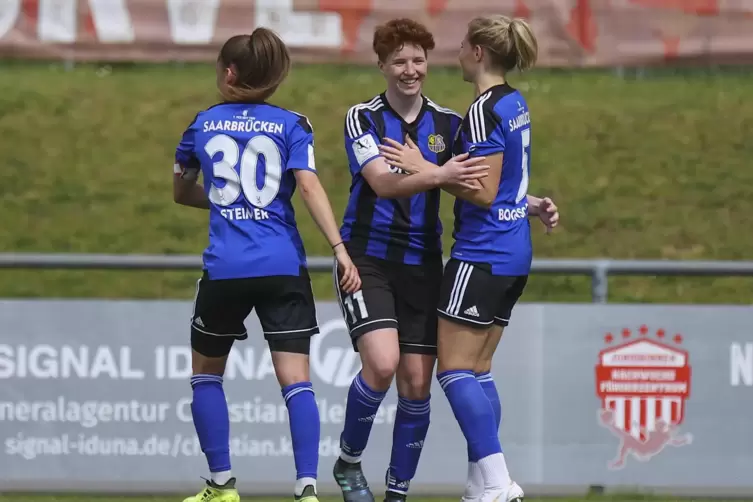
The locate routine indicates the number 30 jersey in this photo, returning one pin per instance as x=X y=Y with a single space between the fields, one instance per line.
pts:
x=247 y=154
x=497 y=122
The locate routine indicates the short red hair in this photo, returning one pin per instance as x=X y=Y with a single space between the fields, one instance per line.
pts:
x=393 y=35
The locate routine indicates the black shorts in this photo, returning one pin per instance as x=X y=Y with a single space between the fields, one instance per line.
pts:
x=472 y=296
x=394 y=295
x=284 y=304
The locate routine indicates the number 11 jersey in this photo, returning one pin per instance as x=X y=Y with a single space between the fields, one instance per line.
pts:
x=247 y=154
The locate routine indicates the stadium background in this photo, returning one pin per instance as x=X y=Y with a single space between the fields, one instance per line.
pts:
x=642 y=120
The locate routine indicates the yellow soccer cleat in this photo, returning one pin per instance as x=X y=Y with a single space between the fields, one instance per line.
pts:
x=215 y=493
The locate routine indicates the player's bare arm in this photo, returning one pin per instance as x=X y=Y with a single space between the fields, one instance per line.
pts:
x=316 y=201
x=391 y=185
x=459 y=174
x=480 y=191
x=186 y=189
x=489 y=186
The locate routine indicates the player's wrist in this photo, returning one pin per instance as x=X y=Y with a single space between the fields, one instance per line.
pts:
x=441 y=176
x=534 y=205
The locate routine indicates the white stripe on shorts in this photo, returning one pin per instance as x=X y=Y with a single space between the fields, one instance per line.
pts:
x=462 y=276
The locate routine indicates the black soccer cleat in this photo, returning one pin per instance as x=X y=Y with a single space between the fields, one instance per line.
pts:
x=390 y=496
x=352 y=482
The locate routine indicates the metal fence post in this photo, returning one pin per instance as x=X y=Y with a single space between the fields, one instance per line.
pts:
x=600 y=282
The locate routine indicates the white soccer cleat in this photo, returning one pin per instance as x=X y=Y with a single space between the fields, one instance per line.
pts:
x=514 y=494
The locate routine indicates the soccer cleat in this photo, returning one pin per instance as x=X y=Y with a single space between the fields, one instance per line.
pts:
x=400 y=491
x=352 y=482
x=390 y=496
x=515 y=494
x=213 y=492
x=308 y=495
x=494 y=496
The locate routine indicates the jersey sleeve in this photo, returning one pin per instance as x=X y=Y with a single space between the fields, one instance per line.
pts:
x=483 y=130
x=301 y=146
x=360 y=139
x=187 y=164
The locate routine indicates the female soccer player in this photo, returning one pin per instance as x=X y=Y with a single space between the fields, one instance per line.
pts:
x=253 y=156
x=392 y=229
x=492 y=254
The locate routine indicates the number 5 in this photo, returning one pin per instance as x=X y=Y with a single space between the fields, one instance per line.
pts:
x=525 y=135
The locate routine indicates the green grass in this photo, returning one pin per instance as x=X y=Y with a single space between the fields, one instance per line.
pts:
x=656 y=168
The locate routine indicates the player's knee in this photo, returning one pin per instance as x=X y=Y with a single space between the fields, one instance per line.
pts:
x=379 y=371
x=413 y=385
x=291 y=360
x=414 y=376
x=380 y=356
x=484 y=365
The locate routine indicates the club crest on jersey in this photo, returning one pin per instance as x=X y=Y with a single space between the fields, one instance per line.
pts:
x=643 y=385
x=436 y=143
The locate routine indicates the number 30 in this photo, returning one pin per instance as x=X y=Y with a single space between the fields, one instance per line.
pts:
x=244 y=180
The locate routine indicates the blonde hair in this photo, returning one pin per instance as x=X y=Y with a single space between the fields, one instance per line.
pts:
x=260 y=61
x=510 y=42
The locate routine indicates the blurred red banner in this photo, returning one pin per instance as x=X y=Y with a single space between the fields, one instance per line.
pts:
x=570 y=32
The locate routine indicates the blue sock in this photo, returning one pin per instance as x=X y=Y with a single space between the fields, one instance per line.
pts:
x=487 y=383
x=411 y=426
x=210 y=418
x=473 y=412
x=304 y=428
x=363 y=403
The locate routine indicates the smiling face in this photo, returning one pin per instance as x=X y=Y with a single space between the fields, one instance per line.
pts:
x=405 y=69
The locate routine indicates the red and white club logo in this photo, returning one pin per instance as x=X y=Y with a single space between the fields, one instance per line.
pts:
x=643 y=381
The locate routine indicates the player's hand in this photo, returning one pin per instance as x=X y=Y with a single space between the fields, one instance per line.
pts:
x=549 y=214
x=350 y=281
x=407 y=157
x=463 y=171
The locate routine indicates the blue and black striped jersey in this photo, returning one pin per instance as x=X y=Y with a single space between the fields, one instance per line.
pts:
x=497 y=122
x=405 y=230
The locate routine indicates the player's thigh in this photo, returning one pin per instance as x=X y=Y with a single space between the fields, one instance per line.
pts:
x=416 y=296
x=493 y=338
x=380 y=356
x=372 y=320
x=219 y=311
x=371 y=308
x=513 y=287
x=287 y=314
x=467 y=305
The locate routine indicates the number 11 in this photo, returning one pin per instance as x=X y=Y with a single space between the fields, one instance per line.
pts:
x=358 y=297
